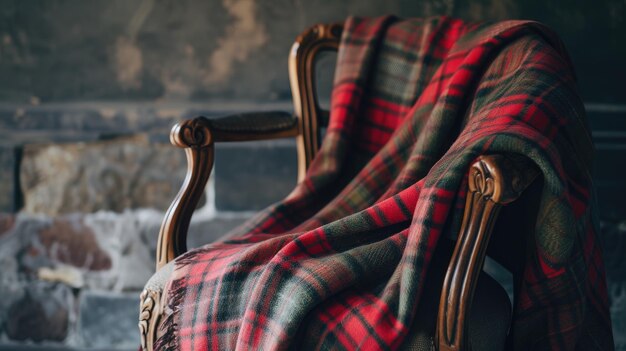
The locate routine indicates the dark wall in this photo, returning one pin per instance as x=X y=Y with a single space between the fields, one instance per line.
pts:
x=83 y=54
x=68 y=50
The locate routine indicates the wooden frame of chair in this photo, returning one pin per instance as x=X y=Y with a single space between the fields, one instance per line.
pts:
x=494 y=181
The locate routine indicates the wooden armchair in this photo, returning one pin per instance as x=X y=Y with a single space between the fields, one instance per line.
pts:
x=494 y=181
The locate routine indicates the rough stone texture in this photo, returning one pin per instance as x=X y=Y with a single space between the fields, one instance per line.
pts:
x=203 y=229
x=607 y=122
x=88 y=121
x=206 y=231
x=7 y=221
x=105 y=258
x=62 y=249
x=131 y=263
x=71 y=242
x=108 y=321
x=109 y=175
x=252 y=177
x=41 y=314
x=11 y=287
x=193 y=49
x=43 y=258
x=97 y=251
x=19 y=249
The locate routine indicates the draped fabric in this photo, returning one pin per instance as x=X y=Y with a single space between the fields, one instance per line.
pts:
x=340 y=262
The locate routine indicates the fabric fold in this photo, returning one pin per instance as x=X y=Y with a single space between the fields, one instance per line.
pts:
x=340 y=262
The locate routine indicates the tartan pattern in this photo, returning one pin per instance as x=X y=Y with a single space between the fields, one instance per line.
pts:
x=339 y=263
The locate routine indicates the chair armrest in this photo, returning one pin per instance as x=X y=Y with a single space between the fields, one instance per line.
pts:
x=253 y=126
x=197 y=137
x=494 y=181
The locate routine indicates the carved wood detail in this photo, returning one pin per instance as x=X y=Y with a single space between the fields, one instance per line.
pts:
x=493 y=181
x=149 y=316
x=319 y=38
x=195 y=136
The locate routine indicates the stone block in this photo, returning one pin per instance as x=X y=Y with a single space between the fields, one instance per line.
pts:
x=120 y=235
x=97 y=251
x=7 y=222
x=20 y=244
x=130 y=239
x=41 y=314
x=109 y=175
x=202 y=231
x=69 y=241
x=108 y=320
x=251 y=176
x=11 y=287
x=62 y=249
x=100 y=251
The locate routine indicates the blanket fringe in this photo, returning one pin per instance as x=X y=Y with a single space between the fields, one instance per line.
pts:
x=168 y=341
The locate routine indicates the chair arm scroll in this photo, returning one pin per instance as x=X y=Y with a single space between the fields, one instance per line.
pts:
x=197 y=137
x=494 y=181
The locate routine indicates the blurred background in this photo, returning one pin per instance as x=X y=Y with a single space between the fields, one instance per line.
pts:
x=89 y=90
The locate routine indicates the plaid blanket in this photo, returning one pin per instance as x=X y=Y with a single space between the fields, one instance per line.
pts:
x=340 y=262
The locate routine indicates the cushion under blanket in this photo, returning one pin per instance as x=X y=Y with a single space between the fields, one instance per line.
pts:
x=340 y=262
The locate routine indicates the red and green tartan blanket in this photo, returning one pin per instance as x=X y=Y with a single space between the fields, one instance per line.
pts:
x=340 y=263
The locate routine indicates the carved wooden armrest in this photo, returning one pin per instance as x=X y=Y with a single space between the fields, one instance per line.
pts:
x=494 y=181
x=197 y=136
x=254 y=126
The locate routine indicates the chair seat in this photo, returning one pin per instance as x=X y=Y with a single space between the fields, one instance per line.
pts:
x=490 y=314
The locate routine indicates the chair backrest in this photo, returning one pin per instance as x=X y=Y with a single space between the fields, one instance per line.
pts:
x=518 y=219
x=302 y=65
x=303 y=56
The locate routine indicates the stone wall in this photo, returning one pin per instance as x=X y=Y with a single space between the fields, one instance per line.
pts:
x=90 y=90
x=74 y=279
